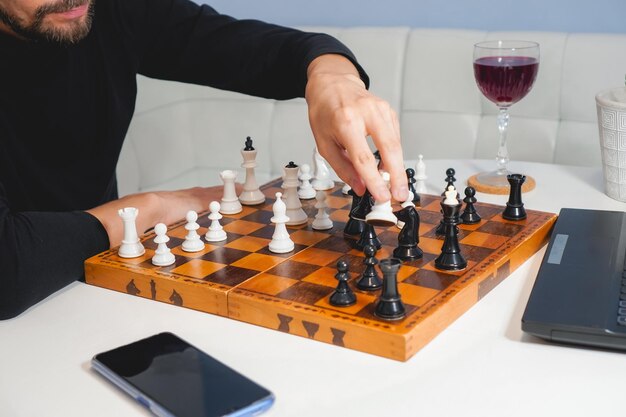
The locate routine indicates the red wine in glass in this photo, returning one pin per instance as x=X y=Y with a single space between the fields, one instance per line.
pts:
x=505 y=79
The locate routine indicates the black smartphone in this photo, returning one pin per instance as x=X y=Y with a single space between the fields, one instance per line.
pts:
x=173 y=378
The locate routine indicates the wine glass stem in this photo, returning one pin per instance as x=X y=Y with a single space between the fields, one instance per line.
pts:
x=502 y=158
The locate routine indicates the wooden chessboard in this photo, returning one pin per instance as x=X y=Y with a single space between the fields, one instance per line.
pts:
x=241 y=279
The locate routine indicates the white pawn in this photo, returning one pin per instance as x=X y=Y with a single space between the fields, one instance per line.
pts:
x=230 y=203
x=216 y=232
x=306 y=190
x=281 y=242
x=420 y=175
x=193 y=242
x=131 y=247
x=451 y=196
x=407 y=203
x=162 y=255
x=382 y=213
x=321 y=173
x=322 y=220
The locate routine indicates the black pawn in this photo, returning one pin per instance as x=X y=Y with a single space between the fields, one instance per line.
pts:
x=514 y=207
x=343 y=296
x=248 y=146
x=410 y=177
x=408 y=238
x=368 y=237
x=390 y=306
x=450 y=258
x=353 y=227
x=470 y=215
x=369 y=280
x=450 y=172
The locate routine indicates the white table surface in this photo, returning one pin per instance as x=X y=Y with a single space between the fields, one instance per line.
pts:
x=482 y=365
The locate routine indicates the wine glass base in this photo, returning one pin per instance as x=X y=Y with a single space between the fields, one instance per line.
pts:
x=495 y=182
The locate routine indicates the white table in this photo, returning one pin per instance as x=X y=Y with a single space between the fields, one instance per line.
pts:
x=482 y=365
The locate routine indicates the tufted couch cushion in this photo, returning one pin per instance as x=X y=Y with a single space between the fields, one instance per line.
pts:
x=184 y=135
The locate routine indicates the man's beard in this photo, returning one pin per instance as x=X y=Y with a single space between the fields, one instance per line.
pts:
x=39 y=31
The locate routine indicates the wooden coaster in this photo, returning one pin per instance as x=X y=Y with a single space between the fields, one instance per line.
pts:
x=528 y=185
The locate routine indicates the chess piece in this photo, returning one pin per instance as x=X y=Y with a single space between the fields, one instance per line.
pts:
x=470 y=215
x=131 y=247
x=450 y=258
x=162 y=255
x=368 y=237
x=193 y=242
x=281 y=242
x=343 y=296
x=306 y=190
x=251 y=194
x=230 y=202
x=321 y=173
x=345 y=189
x=381 y=213
x=353 y=226
x=389 y=305
x=450 y=196
x=322 y=220
x=408 y=238
x=514 y=207
x=369 y=280
x=410 y=177
x=420 y=175
x=450 y=180
x=216 y=232
x=363 y=206
x=406 y=203
x=292 y=201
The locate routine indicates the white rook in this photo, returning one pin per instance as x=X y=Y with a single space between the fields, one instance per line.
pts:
x=131 y=247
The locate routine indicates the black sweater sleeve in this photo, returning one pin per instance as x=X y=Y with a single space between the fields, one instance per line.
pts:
x=183 y=41
x=41 y=252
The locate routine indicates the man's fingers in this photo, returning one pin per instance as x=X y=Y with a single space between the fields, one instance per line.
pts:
x=338 y=159
x=384 y=129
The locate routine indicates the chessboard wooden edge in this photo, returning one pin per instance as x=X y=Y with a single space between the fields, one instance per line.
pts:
x=388 y=340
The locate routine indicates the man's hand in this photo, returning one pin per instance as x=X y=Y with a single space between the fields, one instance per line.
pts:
x=342 y=114
x=156 y=207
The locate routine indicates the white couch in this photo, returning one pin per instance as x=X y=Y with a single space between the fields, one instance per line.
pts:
x=184 y=135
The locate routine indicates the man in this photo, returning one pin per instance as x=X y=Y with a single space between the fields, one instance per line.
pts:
x=67 y=94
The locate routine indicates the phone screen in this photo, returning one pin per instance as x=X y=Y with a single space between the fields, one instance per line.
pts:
x=172 y=377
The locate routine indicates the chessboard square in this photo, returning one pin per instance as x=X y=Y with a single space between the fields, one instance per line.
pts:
x=178 y=251
x=198 y=268
x=316 y=256
x=355 y=262
x=305 y=293
x=258 y=262
x=205 y=222
x=405 y=272
x=268 y=284
x=432 y=278
x=248 y=243
x=430 y=218
x=172 y=243
x=470 y=227
x=337 y=202
x=265 y=232
x=501 y=227
x=307 y=237
x=389 y=237
x=296 y=248
x=259 y=216
x=225 y=255
x=426 y=199
x=340 y=215
x=475 y=253
x=336 y=244
x=487 y=211
x=293 y=269
x=362 y=299
x=385 y=251
x=415 y=294
x=179 y=232
x=231 y=275
x=243 y=227
x=484 y=240
x=430 y=245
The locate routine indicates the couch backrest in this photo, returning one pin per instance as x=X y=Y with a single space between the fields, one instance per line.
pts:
x=184 y=135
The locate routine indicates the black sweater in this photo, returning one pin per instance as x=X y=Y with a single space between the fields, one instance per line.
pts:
x=64 y=113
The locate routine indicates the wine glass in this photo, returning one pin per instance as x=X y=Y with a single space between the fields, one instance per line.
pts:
x=505 y=72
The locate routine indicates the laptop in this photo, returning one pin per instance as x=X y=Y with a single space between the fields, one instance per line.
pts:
x=579 y=295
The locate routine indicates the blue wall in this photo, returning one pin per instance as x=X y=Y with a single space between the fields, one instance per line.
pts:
x=608 y=16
